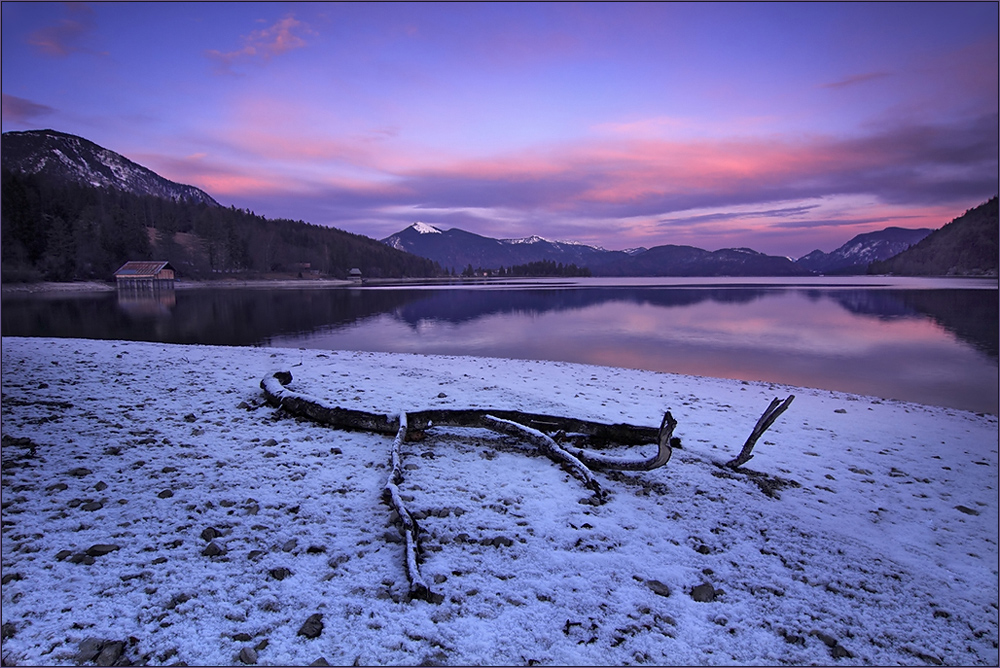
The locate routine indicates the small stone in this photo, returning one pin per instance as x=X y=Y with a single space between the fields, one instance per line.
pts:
x=7 y=630
x=262 y=645
x=966 y=510
x=279 y=573
x=101 y=549
x=828 y=640
x=210 y=533
x=658 y=587
x=10 y=577
x=65 y=554
x=88 y=650
x=840 y=410
x=289 y=545
x=242 y=637
x=58 y=487
x=937 y=613
x=92 y=506
x=312 y=627
x=79 y=472
x=166 y=494
x=321 y=662
x=255 y=554
x=269 y=443
x=841 y=652
x=190 y=417
x=703 y=593
x=110 y=653
x=214 y=549
x=248 y=656
x=101 y=486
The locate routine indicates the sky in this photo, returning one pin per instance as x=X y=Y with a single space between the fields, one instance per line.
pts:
x=784 y=127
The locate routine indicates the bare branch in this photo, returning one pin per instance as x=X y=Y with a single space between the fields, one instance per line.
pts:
x=776 y=408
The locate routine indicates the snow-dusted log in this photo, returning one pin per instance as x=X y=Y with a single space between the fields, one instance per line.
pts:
x=776 y=408
x=550 y=448
x=598 y=461
x=596 y=433
x=408 y=526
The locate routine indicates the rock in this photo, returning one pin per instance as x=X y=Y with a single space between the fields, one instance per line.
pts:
x=88 y=650
x=101 y=486
x=79 y=472
x=966 y=510
x=214 y=549
x=262 y=645
x=703 y=593
x=65 y=554
x=312 y=627
x=315 y=549
x=92 y=506
x=210 y=533
x=658 y=587
x=190 y=417
x=111 y=652
x=321 y=662
x=279 y=573
x=828 y=640
x=58 y=487
x=7 y=630
x=937 y=613
x=81 y=558
x=248 y=656
x=255 y=554
x=10 y=577
x=840 y=652
x=269 y=443
x=101 y=549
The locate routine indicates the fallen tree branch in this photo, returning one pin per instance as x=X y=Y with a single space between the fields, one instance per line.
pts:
x=597 y=433
x=550 y=448
x=408 y=526
x=664 y=440
x=776 y=408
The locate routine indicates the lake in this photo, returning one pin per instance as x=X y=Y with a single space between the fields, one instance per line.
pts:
x=932 y=341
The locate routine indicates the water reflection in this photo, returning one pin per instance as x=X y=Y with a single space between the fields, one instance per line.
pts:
x=936 y=346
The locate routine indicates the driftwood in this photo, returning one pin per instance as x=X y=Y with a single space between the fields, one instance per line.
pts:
x=408 y=526
x=595 y=433
x=529 y=426
x=776 y=408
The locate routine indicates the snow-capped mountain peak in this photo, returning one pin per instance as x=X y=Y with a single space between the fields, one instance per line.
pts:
x=424 y=228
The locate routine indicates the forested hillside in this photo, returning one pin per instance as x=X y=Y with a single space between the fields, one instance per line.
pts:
x=53 y=230
x=967 y=246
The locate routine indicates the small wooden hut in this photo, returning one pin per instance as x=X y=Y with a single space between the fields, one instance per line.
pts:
x=354 y=275
x=145 y=275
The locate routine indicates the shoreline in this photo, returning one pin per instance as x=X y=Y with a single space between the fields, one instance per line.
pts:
x=156 y=498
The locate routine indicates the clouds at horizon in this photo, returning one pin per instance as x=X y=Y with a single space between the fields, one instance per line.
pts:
x=613 y=125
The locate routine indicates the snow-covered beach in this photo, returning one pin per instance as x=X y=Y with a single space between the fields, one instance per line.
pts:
x=883 y=550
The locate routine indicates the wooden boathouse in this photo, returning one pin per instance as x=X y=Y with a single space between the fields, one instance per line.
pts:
x=145 y=275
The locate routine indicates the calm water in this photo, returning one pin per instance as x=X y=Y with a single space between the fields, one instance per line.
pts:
x=932 y=341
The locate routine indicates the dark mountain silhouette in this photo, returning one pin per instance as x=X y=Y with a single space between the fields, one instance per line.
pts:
x=855 y=256
x=967 y=246
x=70 y=159
x=690 y=261
x=456 y=249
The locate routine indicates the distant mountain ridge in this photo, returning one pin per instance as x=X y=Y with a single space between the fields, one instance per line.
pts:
x=68 y=158
x=456 y=248
x=967 y=246
x=855 y=256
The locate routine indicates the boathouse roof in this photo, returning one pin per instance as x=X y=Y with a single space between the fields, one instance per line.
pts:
x=142 y=268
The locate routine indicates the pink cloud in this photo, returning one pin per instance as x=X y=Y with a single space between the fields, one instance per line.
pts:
x=261 y=45
x=65 y=37
x=18 y=110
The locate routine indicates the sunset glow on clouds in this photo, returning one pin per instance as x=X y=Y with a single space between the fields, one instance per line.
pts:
x=783 y=127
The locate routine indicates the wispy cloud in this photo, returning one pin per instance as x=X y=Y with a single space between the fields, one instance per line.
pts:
x=855 y=79
x=67 y=36
x=18 y=110
x=262 y=45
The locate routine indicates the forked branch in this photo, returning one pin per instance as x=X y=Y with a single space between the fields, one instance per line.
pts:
x=776 y=408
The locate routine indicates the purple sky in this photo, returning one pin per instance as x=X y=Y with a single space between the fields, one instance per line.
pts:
x=785 y=127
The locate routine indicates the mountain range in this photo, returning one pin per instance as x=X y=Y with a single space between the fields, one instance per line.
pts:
x=456 y=248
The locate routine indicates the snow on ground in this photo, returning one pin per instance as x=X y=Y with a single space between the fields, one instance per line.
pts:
x=885 y=553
